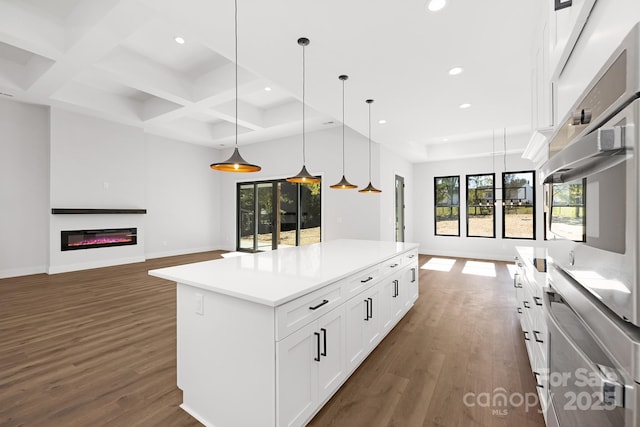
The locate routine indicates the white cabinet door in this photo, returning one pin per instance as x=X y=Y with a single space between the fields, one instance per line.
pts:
x=297 y=375
x=332 y=366
x=373 y=324
x=411 y=279
x=311 y=366
x=356 y=313
x=387 y=303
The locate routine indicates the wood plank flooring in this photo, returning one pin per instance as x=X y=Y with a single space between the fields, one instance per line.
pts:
x=98 y=348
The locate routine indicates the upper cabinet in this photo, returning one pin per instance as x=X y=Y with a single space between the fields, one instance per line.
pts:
x=566 y=20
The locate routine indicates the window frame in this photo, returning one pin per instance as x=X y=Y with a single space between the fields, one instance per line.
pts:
x=435 y=206
x=493 y=192
x=533 y=205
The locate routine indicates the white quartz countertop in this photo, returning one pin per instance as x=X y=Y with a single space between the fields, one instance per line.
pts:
x=276 y=277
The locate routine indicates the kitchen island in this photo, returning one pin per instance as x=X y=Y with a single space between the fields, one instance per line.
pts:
x=266 y=339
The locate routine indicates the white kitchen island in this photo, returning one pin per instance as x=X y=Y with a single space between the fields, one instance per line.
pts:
x=266 y=339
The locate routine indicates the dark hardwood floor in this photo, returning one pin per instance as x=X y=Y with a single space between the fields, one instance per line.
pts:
x=98 y=348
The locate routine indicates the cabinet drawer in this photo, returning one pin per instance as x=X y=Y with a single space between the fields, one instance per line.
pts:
x=391 y=265
x=361 y=281
x=299 y=312
x=411 y=256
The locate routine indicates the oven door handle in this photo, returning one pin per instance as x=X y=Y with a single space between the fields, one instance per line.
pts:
x=608 y=387
x=595 y=152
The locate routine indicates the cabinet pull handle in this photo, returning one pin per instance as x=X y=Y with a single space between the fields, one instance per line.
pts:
x=526 y=304
x=413 y=275
x=366 y=280
x=537 y=383
x=538 y=300
x=315 y=307
x=535 y=336
x=526 y=338
x=366 y=307
x=370 y=308
x=394 y=265
x=519 y=310
x=395 y=289
x=317 y=358
x=411 y=256
x=516 y=284
x=324 y=340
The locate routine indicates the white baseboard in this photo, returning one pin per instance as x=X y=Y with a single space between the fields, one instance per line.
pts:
x=180 y=252
x=25 y=271
x=93 y=264
x=471 y=255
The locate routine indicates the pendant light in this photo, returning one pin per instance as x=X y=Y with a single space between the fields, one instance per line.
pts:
x=370 y=189
x=303 y=177
x=343 y=184
x=235 y=163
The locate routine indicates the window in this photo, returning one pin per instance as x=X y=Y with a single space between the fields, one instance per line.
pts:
x=481 y=220
x=518 y=205
x=447 y=205
x=273 y=214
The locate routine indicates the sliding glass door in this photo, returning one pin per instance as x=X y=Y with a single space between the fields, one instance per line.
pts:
x=273 y=214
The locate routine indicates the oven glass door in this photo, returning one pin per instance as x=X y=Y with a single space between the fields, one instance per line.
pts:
x=585 y=388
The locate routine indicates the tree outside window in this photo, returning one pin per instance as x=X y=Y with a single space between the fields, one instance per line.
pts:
x=447 y=206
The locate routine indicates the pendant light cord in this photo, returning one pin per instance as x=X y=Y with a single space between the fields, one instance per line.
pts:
x=304 y=161
x=236 y=54
x=369 y=142
x=505 y=149
x=343 y=127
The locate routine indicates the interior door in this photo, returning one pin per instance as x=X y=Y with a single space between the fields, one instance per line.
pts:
x=399 y=208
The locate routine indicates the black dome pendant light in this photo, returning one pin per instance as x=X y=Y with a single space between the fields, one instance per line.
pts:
x=370 y=189
x=303 y=177
x=343 y=184
x=235 y=163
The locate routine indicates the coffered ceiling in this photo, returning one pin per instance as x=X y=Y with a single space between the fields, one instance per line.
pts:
x=118 y=59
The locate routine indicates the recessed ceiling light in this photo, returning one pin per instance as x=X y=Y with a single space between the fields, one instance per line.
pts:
x=267 y=89
x=436 y=5
x=463 y=106
x=455 y=71
x=179 y=39
x=382 y=121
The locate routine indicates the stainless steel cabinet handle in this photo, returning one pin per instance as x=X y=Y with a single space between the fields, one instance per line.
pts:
x=366 y=280
x=413 y=275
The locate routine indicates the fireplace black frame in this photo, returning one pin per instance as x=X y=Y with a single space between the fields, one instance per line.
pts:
x=65 y=235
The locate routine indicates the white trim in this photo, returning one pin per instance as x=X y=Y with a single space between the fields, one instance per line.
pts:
x=182 y=252
x=94 y=264
x=25 y=271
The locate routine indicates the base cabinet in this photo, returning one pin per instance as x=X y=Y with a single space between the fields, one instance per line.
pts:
x=311 y=366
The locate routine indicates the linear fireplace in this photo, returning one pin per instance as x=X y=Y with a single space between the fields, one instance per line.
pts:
x=89 y=239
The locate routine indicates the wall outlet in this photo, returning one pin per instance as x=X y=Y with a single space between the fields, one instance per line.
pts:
x=200 y=304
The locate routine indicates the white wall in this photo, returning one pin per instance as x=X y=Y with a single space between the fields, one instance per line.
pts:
x=24 y=188
x=183 y=205
x=608 y=24
x=346 y=213
x=95 y=164
x=469 y=247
